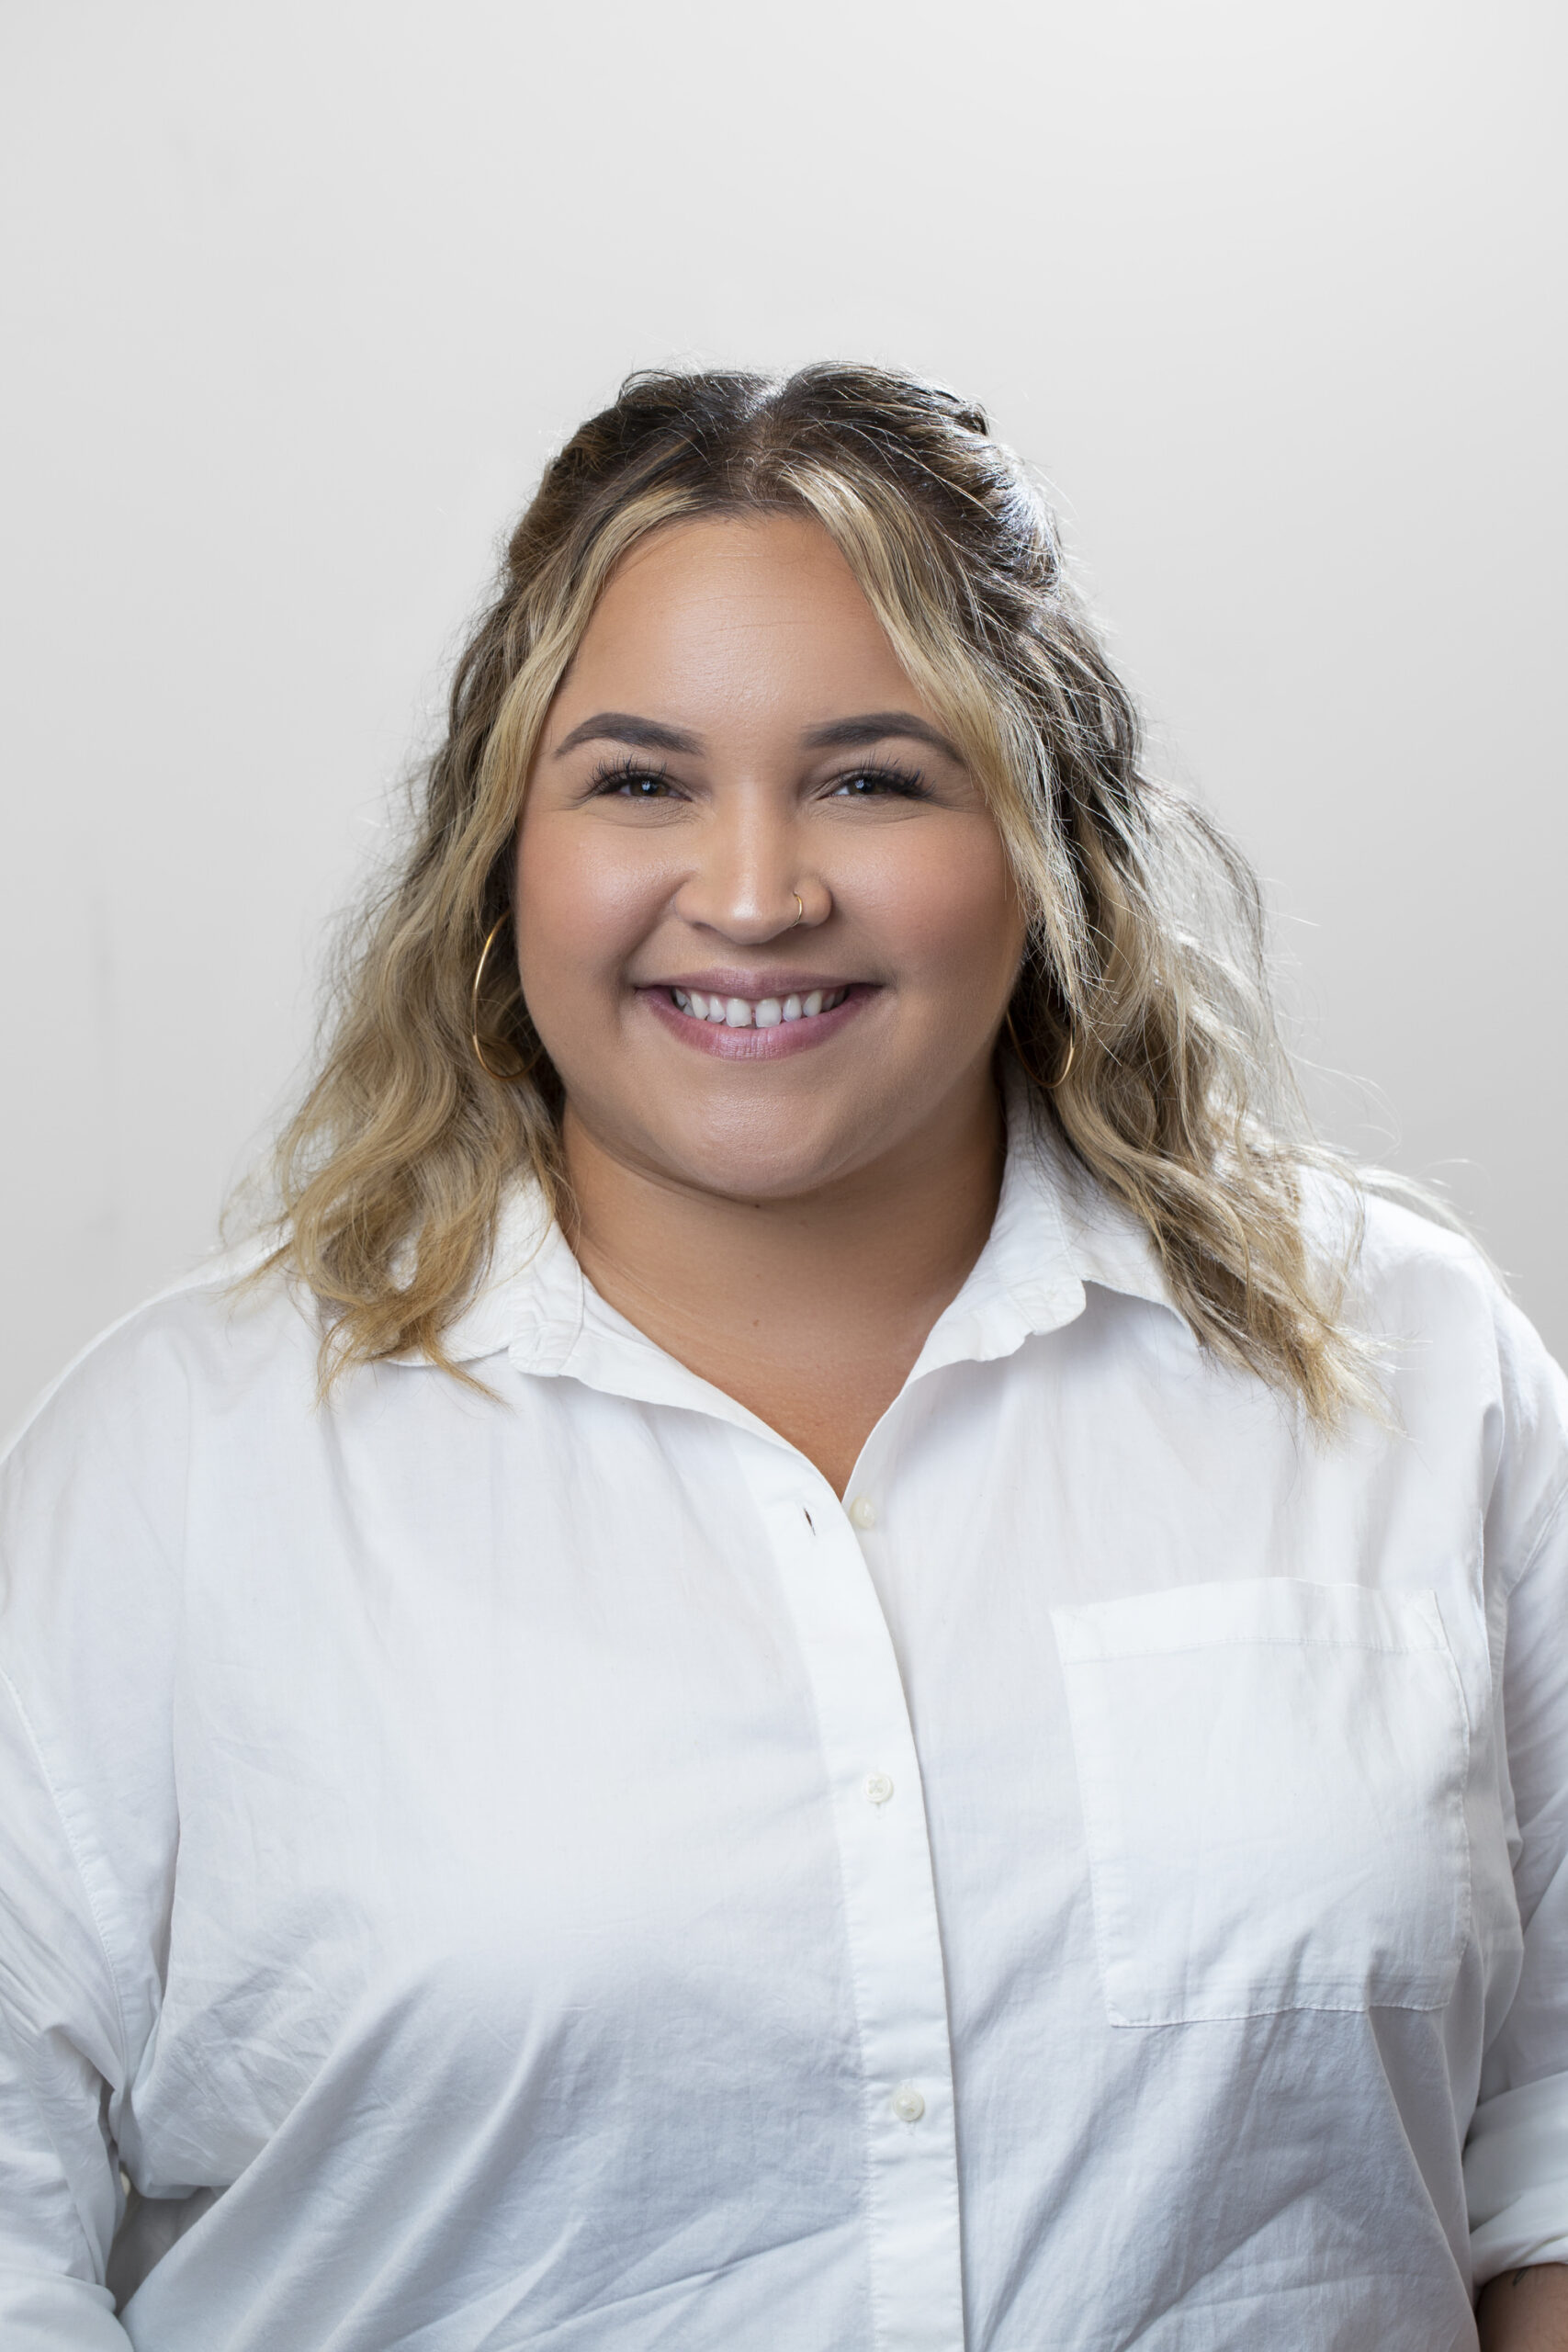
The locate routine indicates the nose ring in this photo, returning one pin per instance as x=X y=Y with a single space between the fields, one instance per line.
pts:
x=799 y=909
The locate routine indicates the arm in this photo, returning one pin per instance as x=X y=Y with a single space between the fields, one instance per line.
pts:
x=88 y=1829
x=59 y=2188
x=1516 y=2158
x=1527 y=2310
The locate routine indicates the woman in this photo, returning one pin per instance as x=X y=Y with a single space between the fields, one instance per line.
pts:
x=831 y=1650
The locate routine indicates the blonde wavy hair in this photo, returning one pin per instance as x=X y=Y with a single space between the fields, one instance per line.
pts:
x=1144 y=961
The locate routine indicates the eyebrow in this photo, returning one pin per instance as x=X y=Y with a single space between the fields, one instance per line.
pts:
x=624 y=727
x=838 y=734
x=874 y=727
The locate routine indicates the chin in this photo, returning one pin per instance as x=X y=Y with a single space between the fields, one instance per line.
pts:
x=773 y=1163
x=776 y=1176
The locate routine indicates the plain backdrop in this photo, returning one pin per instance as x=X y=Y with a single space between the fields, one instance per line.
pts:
x=300 y=297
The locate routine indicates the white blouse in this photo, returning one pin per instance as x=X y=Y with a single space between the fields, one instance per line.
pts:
x=537 y=1871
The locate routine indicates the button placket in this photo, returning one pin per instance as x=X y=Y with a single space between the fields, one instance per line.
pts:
x=895 y=1950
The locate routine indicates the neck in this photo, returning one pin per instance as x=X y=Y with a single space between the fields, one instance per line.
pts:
x=809 y=1310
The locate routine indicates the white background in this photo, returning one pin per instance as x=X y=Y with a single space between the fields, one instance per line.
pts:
x=300 y=297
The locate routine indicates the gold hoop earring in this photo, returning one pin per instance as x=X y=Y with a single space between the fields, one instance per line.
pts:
x=501 y=1077
x=799 y=909
x=1048 y=1084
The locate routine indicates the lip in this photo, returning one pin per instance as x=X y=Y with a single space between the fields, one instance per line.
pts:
x=767 y=979
x=755 y=1045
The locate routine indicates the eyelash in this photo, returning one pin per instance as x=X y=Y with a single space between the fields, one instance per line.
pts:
x=612 y=773
x=905 y=783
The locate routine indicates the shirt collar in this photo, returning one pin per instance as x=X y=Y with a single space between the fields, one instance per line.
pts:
x=1054 y=1231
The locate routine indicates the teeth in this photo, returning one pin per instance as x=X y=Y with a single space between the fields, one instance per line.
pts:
x=767 y=1012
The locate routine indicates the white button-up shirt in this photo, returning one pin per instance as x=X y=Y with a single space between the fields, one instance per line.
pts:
x=537 y=1869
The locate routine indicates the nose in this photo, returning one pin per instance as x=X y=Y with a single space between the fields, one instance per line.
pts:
x=745 y=878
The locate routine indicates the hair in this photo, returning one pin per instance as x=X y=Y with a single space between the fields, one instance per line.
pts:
x=1145 y=972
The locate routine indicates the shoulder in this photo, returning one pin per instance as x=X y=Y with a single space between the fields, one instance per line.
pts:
x=1462 y=1361
x=230 y=1328
x=95 y=1495
x=1432 y=1285
x=1409 y=1276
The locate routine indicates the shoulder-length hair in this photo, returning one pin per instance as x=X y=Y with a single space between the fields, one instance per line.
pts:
x=1145 y=962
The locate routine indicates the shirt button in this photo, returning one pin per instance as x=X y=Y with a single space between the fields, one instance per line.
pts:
x=863 y=1513
x=908 y=2104
x=878 y=1787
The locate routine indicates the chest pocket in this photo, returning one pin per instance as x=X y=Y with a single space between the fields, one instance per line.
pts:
x=1273 y=1778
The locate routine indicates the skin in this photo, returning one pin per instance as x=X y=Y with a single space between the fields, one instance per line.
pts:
x=788 y=1225
x=1526 y=2310
x=788 y=1210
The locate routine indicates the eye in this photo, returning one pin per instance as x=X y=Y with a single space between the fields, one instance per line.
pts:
x=627 y=780
x=882 y=782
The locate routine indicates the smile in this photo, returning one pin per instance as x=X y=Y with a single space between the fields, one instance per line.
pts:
x=776 y=1022
x=757 y=1012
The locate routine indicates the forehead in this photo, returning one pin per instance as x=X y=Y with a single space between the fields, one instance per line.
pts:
x=757 y=606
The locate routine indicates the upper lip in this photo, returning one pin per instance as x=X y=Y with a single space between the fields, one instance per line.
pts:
x=753 y=986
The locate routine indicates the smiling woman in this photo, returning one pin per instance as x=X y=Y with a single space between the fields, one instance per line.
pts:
x=803 y=884
x=1137 y=987
x=830 y=1646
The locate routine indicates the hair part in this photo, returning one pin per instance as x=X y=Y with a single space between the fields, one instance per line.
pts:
x=1146 y=955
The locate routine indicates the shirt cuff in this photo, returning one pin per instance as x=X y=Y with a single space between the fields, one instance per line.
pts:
x=1516 y=2178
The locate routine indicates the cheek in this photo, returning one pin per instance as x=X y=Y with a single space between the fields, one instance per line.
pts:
x=581 y=906
x=947 y=907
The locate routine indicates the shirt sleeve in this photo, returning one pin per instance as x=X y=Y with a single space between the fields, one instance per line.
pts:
x=61 y=2061
x=1517 y=2153
x=88 y=1831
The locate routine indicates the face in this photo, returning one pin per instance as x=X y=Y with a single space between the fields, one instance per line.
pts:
x=767 y=929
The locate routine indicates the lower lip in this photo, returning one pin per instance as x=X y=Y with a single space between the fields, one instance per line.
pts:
x=755 y=1045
